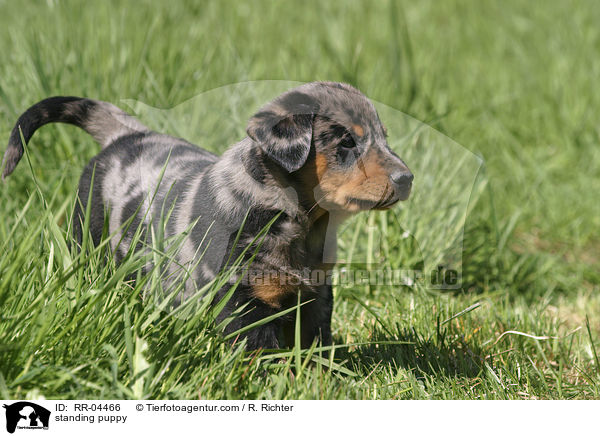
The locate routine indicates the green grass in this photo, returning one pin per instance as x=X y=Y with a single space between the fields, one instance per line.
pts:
x=512 y=82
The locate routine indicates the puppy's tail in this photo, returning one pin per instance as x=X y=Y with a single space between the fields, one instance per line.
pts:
x=104 y=121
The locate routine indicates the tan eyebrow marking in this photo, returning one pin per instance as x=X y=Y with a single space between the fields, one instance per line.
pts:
x=358 y=130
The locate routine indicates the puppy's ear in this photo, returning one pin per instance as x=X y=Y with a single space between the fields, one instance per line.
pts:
x=284 y=127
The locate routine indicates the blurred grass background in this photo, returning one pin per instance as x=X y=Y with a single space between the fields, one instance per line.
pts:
x=512 y=82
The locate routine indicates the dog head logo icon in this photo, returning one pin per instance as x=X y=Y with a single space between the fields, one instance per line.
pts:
x=26 y=415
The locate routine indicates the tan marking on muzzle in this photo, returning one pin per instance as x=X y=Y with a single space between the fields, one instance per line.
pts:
x=368 y=180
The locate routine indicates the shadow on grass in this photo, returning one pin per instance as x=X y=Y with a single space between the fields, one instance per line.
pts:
x=435 y=356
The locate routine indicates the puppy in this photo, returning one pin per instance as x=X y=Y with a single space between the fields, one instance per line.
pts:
x=313 y=156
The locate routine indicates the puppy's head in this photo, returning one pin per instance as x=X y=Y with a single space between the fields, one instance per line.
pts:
x=331 y=136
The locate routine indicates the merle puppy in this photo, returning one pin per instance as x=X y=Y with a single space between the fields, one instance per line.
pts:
x=312 y=157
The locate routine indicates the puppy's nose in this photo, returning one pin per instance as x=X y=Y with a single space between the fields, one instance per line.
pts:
x=403 y=179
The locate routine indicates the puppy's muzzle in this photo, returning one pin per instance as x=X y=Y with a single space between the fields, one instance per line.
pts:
x=401 y=184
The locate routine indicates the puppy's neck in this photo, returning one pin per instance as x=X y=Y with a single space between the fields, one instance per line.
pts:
x=241 y=180
x=245 y=177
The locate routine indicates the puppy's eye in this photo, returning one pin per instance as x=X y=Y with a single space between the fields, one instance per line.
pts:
x=347 y=142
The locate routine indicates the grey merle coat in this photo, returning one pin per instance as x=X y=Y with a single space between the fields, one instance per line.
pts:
x=312 y=157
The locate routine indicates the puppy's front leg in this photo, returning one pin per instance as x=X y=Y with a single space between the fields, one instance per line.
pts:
x=316 y=318
x=264 y=336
